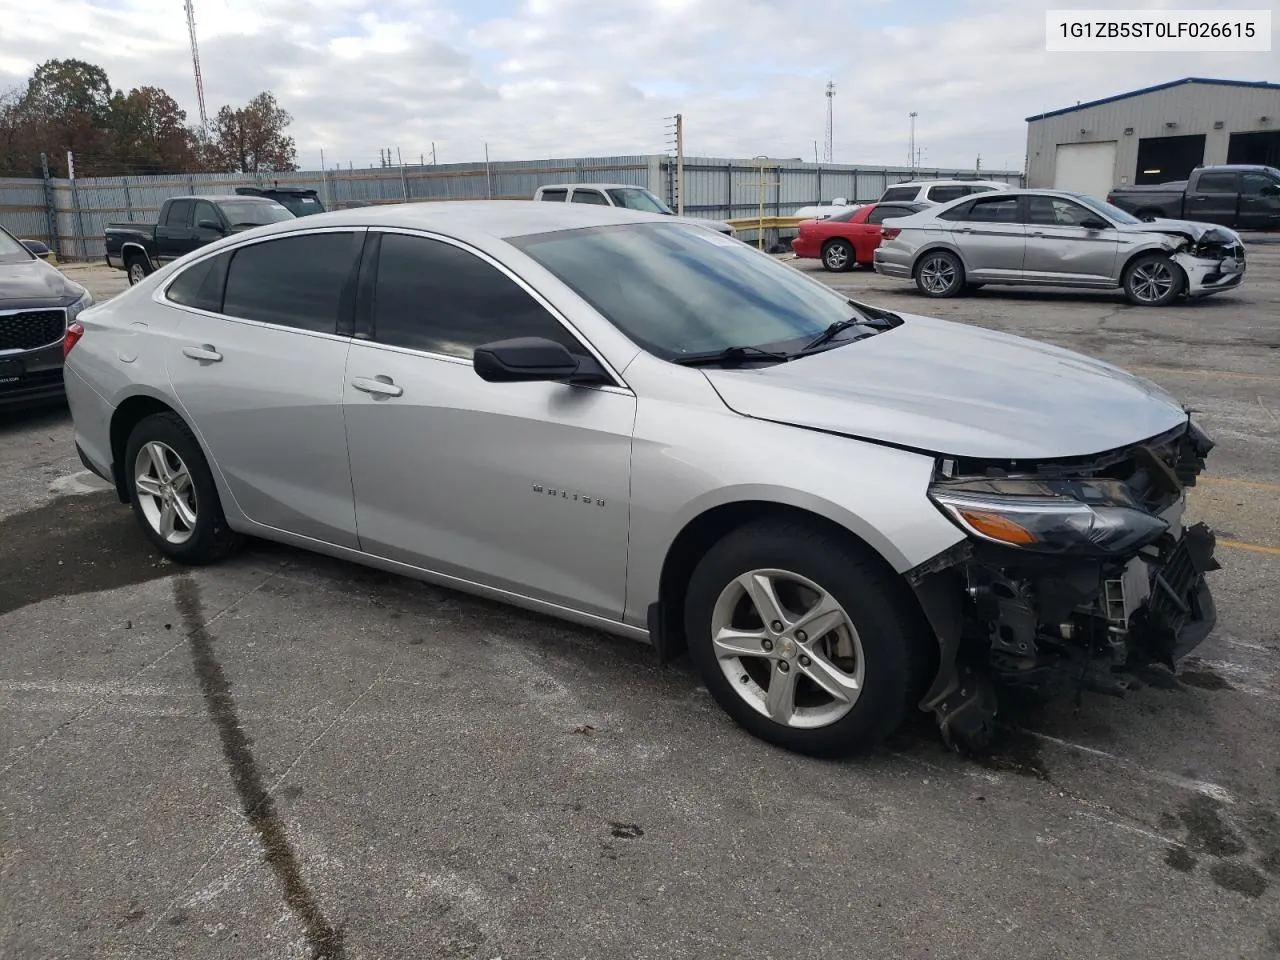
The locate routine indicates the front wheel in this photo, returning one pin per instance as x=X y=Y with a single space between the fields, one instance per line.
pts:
x=940 y=274
x=173 y=493
x=804 y=639
x=837 y=256
x=1153 y=280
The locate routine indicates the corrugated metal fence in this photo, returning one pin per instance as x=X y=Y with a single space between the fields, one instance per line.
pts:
x=72 y=215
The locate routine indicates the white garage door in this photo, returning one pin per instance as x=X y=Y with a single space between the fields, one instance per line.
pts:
x=1088 y=168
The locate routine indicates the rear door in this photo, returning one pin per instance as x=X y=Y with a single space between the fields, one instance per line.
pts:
x=1215 y=197
x=174 y=234
x=257 y=364
x=990 y=235
x=1259 y=202
x=1060 y=250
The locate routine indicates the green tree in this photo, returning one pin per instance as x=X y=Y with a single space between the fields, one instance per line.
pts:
x=252 y=138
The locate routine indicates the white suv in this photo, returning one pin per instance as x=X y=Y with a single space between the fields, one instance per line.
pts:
x=618 y=195
x=938 y=191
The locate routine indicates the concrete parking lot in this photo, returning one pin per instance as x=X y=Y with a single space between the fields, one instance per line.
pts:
x=287 y=756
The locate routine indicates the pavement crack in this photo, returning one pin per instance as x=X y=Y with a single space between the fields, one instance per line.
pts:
x=256 y=802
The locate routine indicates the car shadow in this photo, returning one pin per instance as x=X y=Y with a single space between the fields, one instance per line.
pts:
x=34 y=416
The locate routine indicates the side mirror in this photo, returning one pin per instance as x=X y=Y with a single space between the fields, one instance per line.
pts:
x=213 y=225
x=38 y=247
x=525 y=359
x=1093 y=223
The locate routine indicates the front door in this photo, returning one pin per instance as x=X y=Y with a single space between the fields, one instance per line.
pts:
x=1061 y=250
x=523 y=486
x=1259 y=202
x=991 y=238
x=259 y=372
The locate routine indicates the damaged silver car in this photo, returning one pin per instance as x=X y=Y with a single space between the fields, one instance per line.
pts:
x=843 y=514
x=1051 y=238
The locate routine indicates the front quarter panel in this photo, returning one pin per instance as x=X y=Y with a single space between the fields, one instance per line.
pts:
x=692 y=454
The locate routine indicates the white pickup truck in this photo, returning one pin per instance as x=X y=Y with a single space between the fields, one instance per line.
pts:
x=619 y=195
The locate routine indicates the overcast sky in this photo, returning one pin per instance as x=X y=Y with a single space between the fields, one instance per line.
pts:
x=564 y=78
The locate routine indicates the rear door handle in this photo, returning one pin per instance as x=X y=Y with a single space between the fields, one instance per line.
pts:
x=205 y=352
x=378 y=386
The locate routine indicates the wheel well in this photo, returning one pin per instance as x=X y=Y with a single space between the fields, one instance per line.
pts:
x=915 y=265
x=127 y=416
x=1124 y=271
x=703 y=532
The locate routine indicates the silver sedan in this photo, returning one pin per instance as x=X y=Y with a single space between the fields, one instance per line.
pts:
x=649 y=428
x=1050 y=238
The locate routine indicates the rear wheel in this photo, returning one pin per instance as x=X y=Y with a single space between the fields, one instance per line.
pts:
x=173 y=493
x=137 y=268
x=940 y=274
x=804 y=639
x=837 y=256
x=1153 y=280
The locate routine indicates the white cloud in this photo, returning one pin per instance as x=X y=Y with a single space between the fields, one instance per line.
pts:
x=559 y=78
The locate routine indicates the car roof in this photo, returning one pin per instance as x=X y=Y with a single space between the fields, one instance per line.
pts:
x=219 y=197
x=474 y=220
x=946 y=183
x=602 y=186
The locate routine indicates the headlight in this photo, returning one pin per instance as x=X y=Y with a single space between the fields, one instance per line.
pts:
x=80 y=306
x=1050 y=516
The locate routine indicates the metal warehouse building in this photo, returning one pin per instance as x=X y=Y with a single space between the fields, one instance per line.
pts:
x=1154 y=135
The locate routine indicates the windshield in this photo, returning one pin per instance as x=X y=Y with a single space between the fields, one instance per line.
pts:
x=12 y=250
x=1106 y=209
x=637 y=198
x=676 y=289
x=254 y=213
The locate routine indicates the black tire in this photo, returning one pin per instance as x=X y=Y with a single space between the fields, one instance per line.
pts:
x=838 y=256
x=136 y=268
x=1153 y=280
x=210 y=538
x=896 y=644
x=940 y=274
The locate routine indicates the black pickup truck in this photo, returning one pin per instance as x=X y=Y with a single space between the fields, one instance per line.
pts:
x=1234 y=195
x=186 y=223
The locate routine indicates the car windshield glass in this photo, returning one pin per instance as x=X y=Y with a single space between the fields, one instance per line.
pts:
x=240 y=212
x=638 y=199
x=1107 y=210
x=11 y=250
x=676 y=289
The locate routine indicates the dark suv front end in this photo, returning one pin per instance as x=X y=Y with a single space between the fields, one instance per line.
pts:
x=36 y=305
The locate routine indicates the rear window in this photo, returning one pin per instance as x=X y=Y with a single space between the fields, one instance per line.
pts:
x=200 y=285
x=947 y=192
x=900 y=193
x=1217 y=183
x=555 y=195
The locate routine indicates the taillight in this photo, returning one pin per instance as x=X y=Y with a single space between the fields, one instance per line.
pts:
x=74 y=332
x=889 y=233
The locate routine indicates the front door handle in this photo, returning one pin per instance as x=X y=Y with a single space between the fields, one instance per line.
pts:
x=379 y=386
x=206 y=353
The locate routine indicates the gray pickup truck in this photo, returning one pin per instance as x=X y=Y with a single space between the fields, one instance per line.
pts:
x=1240 y=196
x=186 y=223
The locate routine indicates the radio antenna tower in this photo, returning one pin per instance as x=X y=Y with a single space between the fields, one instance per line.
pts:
x=826 y=150
x=195 y=64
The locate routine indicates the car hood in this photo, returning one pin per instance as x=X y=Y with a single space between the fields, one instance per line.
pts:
x=1193 y=229
x=949 y=388
x=35 y=280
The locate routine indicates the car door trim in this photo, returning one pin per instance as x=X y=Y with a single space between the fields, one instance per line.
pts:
x=618 y=386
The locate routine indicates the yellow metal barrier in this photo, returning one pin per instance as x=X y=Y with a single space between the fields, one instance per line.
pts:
x=765 y=223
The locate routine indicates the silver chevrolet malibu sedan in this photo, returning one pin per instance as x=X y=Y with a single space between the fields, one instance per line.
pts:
x=842 y=514
x=1051 y=238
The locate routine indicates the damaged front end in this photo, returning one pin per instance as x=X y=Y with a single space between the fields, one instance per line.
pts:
x=1211 y=257
x=1073 y=574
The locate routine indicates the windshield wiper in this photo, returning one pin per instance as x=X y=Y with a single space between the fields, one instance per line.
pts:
x=833 y=331
x=731 y=355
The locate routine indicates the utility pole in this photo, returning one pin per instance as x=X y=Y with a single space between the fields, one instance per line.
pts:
x=680 y=164
x=488 y=176
x=977 y=164
x=911 y=143
x=195 y=64
x=433 y=153
x=815 y=151
x=830 y=144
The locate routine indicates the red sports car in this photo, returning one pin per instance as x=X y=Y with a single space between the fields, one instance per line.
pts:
x=850 y=237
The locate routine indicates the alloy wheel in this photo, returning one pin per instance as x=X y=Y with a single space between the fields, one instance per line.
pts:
x=937 y=274
x=837 y=256
x=165 y=492
x=1152 y=281
x=788 y=648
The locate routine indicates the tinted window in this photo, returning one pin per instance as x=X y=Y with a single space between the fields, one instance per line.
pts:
x=205 y=211
x=900 y=193
x=200 y=285
x=959 y=212
x=555 y=195
x=636 y=198
x=946 y=194
x=1216 y=183
x=884 y=211
x=1056 y=212
x=1257 y=185
x=589 y=196
x=844 y=217
x=436 y=297
x=994 y=210
x=294 y=281
x=179 y=214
